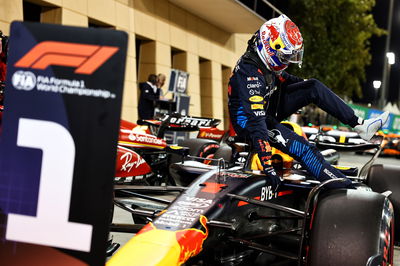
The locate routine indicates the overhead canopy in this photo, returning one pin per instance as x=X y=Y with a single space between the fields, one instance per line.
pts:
x=392 y=108
x=228 y=15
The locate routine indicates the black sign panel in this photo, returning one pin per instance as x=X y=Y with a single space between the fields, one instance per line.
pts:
x=58 y=145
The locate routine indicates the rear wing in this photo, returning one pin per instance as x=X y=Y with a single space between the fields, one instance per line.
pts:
x=344 y=141
x=177 y=122
x=346 y=147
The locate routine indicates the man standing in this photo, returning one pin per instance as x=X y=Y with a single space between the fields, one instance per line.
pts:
x=148 y=94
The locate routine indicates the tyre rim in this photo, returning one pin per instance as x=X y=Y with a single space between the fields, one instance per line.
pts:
x=386 y=244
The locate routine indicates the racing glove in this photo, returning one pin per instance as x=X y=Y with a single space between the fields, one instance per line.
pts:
x=274 y=178
x=264 y=153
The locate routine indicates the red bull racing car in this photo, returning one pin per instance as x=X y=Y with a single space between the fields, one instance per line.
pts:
x=233 y=216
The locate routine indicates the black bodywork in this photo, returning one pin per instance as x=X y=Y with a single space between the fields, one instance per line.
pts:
x=252 y=223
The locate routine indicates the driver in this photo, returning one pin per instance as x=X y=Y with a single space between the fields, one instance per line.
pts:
x=261 y=94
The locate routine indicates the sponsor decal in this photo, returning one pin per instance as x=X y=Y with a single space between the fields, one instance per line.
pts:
x=86 y=58
x=276 y=137
x=236 y=175
x=191 y=207
x=191 y=240
x=329 y=173
x=187 y=209
x=26 y=80
x=181 y=213
x=264 y=146
x=259 y=113
x=256 y=99
x=267 y=193
x=270 y=170
x=257 y=106
x=252 y=92
x=211 y=135
x=23 y=80
x=195 y=202
x=252 y=78
x=265 y=40
x=192 y=121
x=270 y=92
x=254 y=85
x=145 y=138
x=128 y=165
x=175 y=246
x=177 y=217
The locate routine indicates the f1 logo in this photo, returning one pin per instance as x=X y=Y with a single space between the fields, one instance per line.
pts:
x=86 y=58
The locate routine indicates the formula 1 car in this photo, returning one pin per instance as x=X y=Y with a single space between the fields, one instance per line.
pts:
x=143 y=154
x=235 y=216
x=391 y=145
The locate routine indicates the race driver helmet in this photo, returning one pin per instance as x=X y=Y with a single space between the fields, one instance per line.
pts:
x=279 y=43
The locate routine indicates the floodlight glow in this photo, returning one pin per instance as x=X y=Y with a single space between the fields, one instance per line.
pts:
x=377 y=84
x=391 y=58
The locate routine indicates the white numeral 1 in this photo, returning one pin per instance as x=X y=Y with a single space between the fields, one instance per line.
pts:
x=51 y=226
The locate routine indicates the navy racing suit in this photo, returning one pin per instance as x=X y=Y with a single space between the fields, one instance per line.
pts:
x=259 y=99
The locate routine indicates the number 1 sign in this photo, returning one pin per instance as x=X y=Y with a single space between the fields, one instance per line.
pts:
x=58 y=144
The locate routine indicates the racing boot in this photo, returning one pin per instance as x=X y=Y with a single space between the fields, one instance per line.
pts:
x=369 y=127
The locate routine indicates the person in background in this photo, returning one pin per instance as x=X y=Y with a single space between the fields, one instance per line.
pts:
x=160 y=83
x=148 y=94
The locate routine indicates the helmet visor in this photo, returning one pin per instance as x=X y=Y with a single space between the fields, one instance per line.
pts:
x=295 y=57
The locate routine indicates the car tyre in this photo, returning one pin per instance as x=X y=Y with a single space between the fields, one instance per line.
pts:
x=223 y=152
x=204 y=148
x=347 y=229
x=383 y=178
